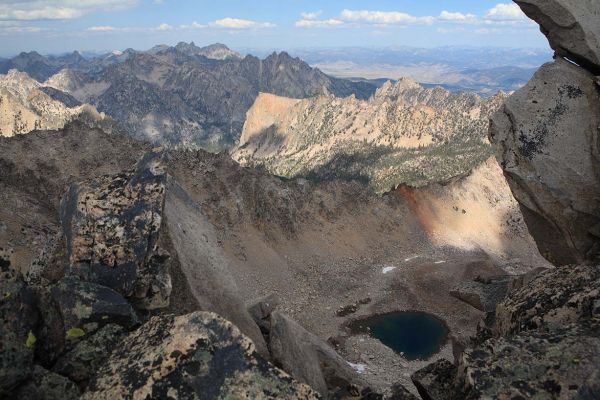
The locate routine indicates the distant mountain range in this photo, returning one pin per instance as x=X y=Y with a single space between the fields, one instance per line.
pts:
x=197 y=97
x=183 y=96
x=485 y=70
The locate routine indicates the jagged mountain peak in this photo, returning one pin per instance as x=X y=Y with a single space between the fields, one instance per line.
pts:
x=382 y=141
x=30 y=54
x=216 y=51
x=27 y=105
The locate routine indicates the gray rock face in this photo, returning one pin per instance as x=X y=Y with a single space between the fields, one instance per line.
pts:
x=81 y=363
x=559 y=364
x=261 y=310
x=571 y=26
x=483 y=294
x=18 y=317
x=309 y=359
x=211 y=288
x=46 y=385
x=196 y=356
x=111 y=226
x=399 y=392
x=553 y=299
x=436 y=381
x=86 y=307
x=546 y=138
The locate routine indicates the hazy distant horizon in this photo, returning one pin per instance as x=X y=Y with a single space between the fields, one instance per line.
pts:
x=265 y=51
x=59 y=26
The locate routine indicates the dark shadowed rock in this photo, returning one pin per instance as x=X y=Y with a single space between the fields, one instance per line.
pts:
x=261 y=310
x=561 y=364
x=546 y=138
x=85 y=307
x=309 y=359
x=195 y=356
x=571 y=27
x=18 y=318
x=50 y=333
x=82 y=362
x=399 y=392
x=46 y=385
x=112 y=225
x=483 y=294
x=436 y=381
x=543 y=342
x=553 y=299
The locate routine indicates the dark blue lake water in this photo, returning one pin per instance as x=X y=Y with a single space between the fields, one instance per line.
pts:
x=416 y=334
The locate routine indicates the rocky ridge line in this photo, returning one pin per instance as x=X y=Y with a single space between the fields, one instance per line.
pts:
x=404 y=134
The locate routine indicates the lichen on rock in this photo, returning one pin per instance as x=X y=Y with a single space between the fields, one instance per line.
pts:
x=112 y=226
x=195 y=356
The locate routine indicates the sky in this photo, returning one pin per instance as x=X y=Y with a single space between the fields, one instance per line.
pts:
x=58 y=26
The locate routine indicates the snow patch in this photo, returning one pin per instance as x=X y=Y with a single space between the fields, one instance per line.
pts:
x=360 y=368
x=385 y=270
x=440 y=262
x=410 y=258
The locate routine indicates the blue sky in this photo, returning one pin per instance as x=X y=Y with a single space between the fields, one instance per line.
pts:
x=54 y=26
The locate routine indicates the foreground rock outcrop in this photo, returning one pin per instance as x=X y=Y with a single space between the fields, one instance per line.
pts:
x=547 y=135
x=112 y=227
x=543 y=341
x=547 y=143
x=137 y=244
x=19 y=318
x=195 y=356
x=571 y=27
x=555 y=364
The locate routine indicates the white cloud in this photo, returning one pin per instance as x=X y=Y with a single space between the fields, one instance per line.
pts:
x=315 y=23
x=236 y=23
x=445 y=31
x=489 y=31
x=194 y=25
x=164 y=27
x=101 y=28
x=20 y=29
x=13 y=10
x=505 y=12
x=311 y=15
x=457 y=17
x=385 y=17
